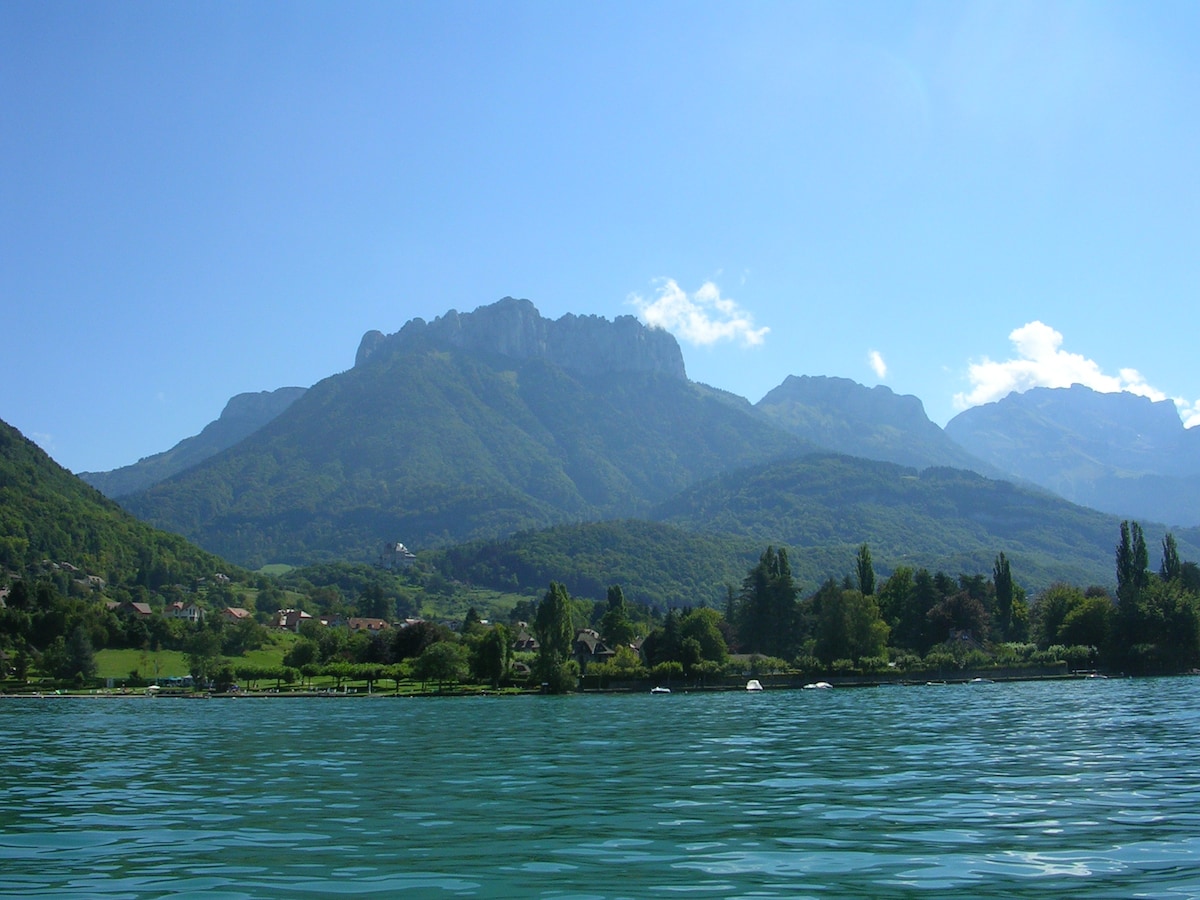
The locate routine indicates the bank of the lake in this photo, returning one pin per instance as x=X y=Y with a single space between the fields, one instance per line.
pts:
x=1029 y=789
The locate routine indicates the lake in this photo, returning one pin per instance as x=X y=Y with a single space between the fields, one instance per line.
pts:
x=1076 y=788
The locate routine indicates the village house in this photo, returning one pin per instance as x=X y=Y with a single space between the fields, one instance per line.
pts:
x=358 y=623
x=235 y=614
x=189 y=613
x=524 y=641
x=589 y=648
x=130 y=607
x=290 y=619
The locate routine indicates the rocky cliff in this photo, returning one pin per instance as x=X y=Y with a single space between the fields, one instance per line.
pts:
x=590 y=345
x=874 y=423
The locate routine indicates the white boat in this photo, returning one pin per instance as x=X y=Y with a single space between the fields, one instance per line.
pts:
x=818 y=686
x=754 y=685
x=660 y=690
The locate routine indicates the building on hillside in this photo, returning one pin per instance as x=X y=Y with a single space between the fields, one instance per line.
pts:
x=235 y=614
x=290 y=619
x=190 y=613
x=129 y=607
x=362 y=623
x=396 y=556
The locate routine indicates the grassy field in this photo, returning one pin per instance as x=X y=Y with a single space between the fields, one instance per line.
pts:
x=117 y=664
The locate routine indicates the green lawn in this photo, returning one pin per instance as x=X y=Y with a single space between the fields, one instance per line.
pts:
x=117 y=664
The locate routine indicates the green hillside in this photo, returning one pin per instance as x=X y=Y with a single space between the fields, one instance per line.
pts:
x=46 y=513
x=939 y=518
x=822 y=508
x=433 y=446
x=658 y=565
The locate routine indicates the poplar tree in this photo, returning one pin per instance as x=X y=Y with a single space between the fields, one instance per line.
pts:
x=1003 y=583
x=866 y=572
x=1172 y=566
x=555 y=636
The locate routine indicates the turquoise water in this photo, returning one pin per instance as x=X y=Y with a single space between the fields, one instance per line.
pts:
x=1088 y=789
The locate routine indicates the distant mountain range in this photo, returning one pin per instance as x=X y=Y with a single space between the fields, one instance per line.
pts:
x=1118 y=453
x=434 y=439
x=485 y=426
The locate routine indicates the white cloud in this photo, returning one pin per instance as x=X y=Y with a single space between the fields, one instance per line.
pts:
x=1040 y=361
x=878 y=366
x=702 y=318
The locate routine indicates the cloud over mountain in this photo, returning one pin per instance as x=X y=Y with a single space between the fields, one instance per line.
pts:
x=1041 y=361
x=702 y=318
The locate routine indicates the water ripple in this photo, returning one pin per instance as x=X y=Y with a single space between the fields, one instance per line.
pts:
x=1021 y=790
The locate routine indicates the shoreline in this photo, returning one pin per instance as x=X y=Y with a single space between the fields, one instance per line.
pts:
x=982 y=678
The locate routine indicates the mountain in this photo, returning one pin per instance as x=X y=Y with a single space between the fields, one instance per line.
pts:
x=844 y=416
x=474 y=425
x=46 y=513
x=242 y=416
x=587 y=345
x=825 y=506
x=1117 y=452
x=821 y=507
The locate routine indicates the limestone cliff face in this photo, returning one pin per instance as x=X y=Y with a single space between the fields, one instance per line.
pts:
x=589 y=345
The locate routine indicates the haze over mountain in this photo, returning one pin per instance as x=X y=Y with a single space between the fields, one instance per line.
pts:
x=243 y=415
x=474 y=425
x=1116 y=452
x=875 y=423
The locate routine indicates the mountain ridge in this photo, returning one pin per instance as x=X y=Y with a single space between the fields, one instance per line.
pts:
x=1116 y=452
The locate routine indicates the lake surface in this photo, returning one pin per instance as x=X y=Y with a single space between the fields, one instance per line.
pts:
x=1087 y=789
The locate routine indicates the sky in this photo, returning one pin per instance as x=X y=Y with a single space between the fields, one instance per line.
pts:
x=952 y=199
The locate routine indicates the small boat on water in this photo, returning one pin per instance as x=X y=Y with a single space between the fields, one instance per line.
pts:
x=754 y=685
x=818 y=686
x=660 y=690
x=981 y=681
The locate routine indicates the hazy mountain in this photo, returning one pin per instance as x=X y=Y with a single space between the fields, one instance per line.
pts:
x=846 y=417
x=242 y=416
x=822 y=508
x=474 y=425
x=951 y=519
x=1118 y=453
x=46 y=513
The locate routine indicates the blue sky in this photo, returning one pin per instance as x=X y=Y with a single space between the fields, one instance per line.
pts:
x=952 y=199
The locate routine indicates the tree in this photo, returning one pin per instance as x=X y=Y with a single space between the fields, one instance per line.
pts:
x=1172 y=566
x=1086 y=623
x=960 y=612
x=848 y=626
x=1051 y=611
x=1002 y=581
x=491 y=657
x=703 y=625
x=301 y=653
x=555 y=635
x=372 y=604
x=1132 y=562
x=767 y=606
x=471 y=623
x=866 y=572
x=615 y=628
x=202 y=652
